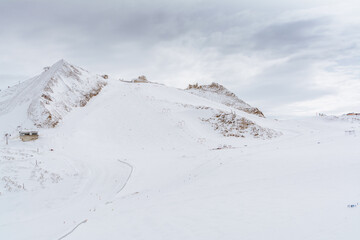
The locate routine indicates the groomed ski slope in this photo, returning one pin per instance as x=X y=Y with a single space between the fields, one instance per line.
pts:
x=136 y=164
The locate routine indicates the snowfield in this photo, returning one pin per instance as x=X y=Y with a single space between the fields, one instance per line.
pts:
x=138 y=161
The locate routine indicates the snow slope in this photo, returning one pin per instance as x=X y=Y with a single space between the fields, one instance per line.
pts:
x=138 y=162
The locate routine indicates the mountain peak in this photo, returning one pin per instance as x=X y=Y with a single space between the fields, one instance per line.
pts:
x=64 y=67
x=59 y=64
x=49 y=96
x=61 y=61
x=65 y=87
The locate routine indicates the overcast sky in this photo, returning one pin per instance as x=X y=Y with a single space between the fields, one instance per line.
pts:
x=285 y=57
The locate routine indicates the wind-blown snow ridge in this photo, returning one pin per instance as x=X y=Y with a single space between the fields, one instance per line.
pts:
x=219 y=93
x=52 y=94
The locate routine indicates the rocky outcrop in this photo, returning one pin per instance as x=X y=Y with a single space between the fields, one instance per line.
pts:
x=219 y=93
x=231 y=125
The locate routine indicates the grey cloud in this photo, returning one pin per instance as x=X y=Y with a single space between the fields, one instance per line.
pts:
x=121 y=21
x=288 y=82
x=290 y=37
x=126 y=37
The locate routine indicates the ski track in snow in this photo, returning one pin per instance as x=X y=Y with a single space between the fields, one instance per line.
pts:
x=72 y=230
x=128 y=178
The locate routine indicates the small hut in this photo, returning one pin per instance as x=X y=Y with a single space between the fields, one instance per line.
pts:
x=28 y=135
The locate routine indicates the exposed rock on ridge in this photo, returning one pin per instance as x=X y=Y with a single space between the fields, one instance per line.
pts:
x=219 y=93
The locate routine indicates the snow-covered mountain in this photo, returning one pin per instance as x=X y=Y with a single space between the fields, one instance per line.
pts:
x=48 y=97
x=147 y=161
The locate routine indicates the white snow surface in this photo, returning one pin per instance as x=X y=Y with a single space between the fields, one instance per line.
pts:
x=137 y=162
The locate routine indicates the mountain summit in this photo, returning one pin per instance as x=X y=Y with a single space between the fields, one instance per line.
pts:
x=48 y=97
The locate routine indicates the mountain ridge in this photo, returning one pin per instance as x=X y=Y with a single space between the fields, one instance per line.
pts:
x=217 y=92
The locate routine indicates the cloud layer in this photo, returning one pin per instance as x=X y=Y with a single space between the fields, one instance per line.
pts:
x=286 y=58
